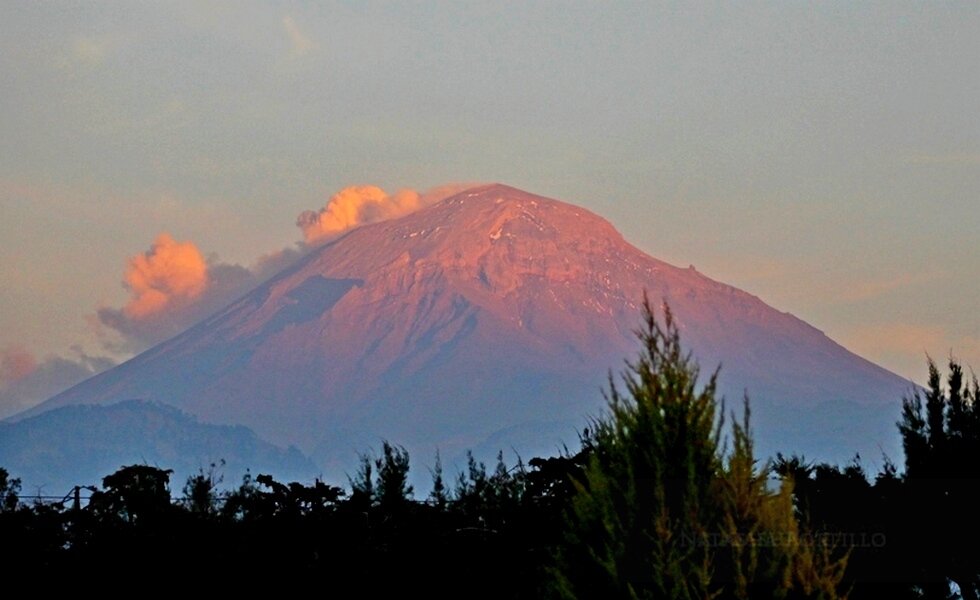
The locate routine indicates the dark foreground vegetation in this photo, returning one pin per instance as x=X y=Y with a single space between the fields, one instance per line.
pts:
x=664 y=499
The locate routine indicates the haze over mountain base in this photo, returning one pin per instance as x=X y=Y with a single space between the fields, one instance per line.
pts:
x=80 y=444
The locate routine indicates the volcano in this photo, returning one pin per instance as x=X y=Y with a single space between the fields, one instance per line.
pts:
x=490 y=320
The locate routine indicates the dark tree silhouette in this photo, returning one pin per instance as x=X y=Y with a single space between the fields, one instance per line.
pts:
x=9 y=491
x=201 y=491
x=392 y=486
x=439 y=496
x=942 y=472
x=135 y=493
x=661 y=500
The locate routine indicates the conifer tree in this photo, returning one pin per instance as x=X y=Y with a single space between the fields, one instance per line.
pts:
x=362 y=484
x=392 y=487
x=439 y=495
x=661 y=511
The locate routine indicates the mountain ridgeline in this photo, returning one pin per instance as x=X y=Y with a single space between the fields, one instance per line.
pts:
x=78 y=444
x=489 y=320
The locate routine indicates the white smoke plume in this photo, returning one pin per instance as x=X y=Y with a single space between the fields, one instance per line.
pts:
x=25 y=381
x=173 y=286
x=363 y=204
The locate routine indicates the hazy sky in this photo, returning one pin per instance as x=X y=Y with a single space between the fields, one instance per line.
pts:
x=823 y=156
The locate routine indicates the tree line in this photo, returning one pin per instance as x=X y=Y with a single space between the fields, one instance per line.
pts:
x=664 y=498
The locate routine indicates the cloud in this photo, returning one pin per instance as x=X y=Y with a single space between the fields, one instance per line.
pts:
x=363 y=204
x=25 y=382
x=173 y=286
x=868 y=289
x=352 y=207
x=268 y=265
x=170 y=273
x=15 y=364
x=903 y=347
x=300 y=44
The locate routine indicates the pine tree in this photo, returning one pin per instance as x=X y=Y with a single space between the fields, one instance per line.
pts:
x=393 y=490
x=439 y=495
x=362 y=484
x=660 y=511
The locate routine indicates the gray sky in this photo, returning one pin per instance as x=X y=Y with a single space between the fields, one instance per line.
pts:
x=825 y=157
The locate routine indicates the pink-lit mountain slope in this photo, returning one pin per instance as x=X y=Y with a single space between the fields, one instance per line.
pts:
x=490 y=319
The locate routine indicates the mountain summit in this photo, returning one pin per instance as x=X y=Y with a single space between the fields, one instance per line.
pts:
x=488 y=319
